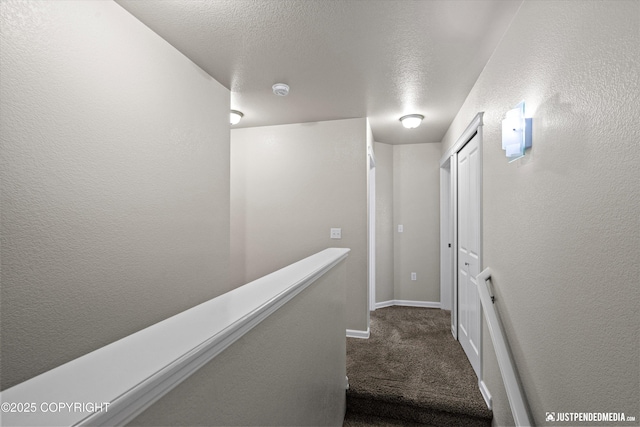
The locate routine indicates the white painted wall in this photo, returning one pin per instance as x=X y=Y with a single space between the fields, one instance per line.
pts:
x=384 y=222
x=561 y=230
x=416 y=195
x=407 y=191
x=114 y=165
x=289 y=185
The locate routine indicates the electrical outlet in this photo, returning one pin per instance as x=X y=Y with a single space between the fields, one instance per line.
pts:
x=336 y=233
x=400 y=228
x=414 y=276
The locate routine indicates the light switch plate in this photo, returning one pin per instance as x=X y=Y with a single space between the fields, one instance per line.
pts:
x=336 y=233
x=400 y=228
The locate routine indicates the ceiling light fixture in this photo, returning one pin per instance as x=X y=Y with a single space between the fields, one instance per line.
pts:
x=235 y=116
x=411 y=121
x=280 y=89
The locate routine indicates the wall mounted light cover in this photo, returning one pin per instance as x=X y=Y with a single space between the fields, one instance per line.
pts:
x=235 y=116
x=516 y=133
x=411 y=121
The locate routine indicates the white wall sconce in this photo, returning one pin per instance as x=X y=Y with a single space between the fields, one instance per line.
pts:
x=235 y=117
x=411 y=121
x=516 y=133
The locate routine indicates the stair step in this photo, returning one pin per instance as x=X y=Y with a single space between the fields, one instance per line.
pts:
x=352 y=419
x=400 y=411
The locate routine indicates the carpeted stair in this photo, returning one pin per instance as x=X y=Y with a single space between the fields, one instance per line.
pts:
x=411 y=372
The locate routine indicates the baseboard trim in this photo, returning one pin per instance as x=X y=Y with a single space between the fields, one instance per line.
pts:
x=485 y=393
x=354 y=333
x=407 y=303
x=384 y=304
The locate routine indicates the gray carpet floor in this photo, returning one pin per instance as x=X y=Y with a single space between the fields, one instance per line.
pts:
x=411 y=366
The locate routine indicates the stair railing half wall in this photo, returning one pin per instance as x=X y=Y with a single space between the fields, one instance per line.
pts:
x=512 y=385
x=120 y=381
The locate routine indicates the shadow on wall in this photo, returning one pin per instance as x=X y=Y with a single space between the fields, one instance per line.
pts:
x=550 y=121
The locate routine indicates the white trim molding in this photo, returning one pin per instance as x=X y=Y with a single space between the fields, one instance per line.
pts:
x=130 y=374
x=354 y=333
x=484 y=390
x=407 y=303
x=384 y=304
x=464 y=138
x=512 y=385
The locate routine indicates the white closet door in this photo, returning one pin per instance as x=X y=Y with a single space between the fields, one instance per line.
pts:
x=469 y=250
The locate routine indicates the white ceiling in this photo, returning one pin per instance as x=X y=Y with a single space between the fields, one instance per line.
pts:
x=351 y=58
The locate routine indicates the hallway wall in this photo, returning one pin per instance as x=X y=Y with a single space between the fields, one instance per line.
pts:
x=384 y=221
x=114 y=165
x=407 y=191
x=561 y=230
x=290 y=184
x=416 y=205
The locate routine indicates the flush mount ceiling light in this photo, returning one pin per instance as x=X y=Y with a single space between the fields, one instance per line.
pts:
x=280 y=89
x=411 y=121
x=235 y=116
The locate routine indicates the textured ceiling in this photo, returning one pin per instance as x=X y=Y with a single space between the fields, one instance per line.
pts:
x=352 y=58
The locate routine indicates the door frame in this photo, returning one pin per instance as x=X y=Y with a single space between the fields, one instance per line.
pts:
x=372 y=227
x=449 y=227
x=446 y=234
x=449 y=238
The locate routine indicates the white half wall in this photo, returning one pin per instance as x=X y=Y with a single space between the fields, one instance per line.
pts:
x=287 y=371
